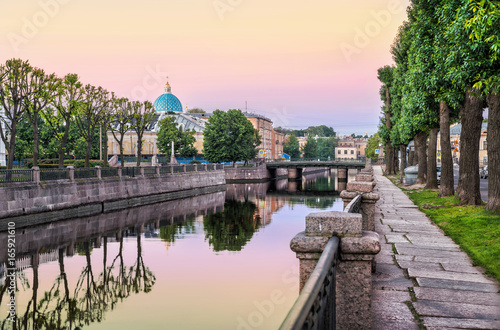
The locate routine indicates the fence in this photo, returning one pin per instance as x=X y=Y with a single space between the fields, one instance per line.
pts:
x=53 y=174
x=9 y=176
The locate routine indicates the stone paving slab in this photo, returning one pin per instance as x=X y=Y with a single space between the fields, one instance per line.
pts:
x=455 y=310
x=450 y=293
x=430 y=252
x=444 y=247
x=467 y=297
x=456 y=285
x=444 y=275
x=447 y=323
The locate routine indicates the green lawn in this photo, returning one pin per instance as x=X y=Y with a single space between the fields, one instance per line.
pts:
x=472 y=227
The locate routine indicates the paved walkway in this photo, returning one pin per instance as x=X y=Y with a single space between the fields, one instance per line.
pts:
x=423 y=278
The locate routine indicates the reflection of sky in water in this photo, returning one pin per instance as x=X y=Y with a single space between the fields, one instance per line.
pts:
x=197 y=287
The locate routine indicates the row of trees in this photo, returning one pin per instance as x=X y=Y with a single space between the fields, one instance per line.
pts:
x=447 y=69
x=313 y=149
x=320 y=131
x=63 y=114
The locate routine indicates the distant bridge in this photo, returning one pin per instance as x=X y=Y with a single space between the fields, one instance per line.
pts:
x=295 y=167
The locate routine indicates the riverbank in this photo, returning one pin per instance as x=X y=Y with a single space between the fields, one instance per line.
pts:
x=32 y=204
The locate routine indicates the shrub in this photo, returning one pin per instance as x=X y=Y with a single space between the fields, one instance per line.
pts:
x=195 y=162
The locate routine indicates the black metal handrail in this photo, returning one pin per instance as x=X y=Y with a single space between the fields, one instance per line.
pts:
x=218 y=167
x=85 y=173
x=16 y=176
x=190 y=168
x=178 y=168
x=109 y=172
x=48 y=174
x=315 y=306
x=354 y=205
x=149 y=171
x=165 y=169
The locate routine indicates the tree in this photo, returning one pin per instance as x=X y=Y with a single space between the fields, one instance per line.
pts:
x=122 y=122
x=326 y=147
x=229 y=137
x=386 y=76
x=310 y=150
x=13 y=94
x=90 y=114
x=42 y=89
x=291 y=147
x=196 y=110
x=143 y=114
x=169 y=131
x=66 y=102
x=373 y=144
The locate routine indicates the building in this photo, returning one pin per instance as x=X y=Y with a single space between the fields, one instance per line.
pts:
x=455 y=131
x=272 y=141
x=346 y=149
x=168 y=104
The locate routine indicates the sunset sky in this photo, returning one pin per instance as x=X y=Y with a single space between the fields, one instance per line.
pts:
x=300 y=63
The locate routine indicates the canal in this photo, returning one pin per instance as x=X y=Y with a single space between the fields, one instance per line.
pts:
x=217 y=261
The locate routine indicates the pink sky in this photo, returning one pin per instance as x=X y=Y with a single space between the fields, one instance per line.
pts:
x=298 y=63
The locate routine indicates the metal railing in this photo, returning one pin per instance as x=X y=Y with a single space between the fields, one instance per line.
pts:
x=178 y=168
x=107 y=172
x=85 y=173
x=354 y=205
x=48 y=174
x=190 y=168
x=149 y=171
x=165 y=169
x=130 y=171
x=218 y=166
x=315 y=306
x=16 y=176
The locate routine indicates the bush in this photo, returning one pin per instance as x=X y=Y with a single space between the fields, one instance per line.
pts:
x=195 y=162
x=92 y=163
x=48 y=165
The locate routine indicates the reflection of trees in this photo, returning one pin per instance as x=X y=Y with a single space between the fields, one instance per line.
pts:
x=170 y=233
x=320 y=184
x=231 y=229
x=92 y=297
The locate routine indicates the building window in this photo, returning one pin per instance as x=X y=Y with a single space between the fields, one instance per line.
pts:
x=339 y=152
x=485 y=145
x=352 y=152
x=345 y=152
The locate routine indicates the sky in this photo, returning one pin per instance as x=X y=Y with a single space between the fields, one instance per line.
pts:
x=300 y=63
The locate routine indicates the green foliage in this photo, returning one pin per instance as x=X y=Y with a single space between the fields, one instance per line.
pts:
x=310 y=150
x=183 y=140
x=196 y=110
x=474 y=229
x=374 y=142
x=92 y=163
x=326 y=148
x=320 y=131
x=229 y=137
x=291 y=147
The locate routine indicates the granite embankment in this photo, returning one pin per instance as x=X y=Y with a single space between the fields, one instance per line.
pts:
x=31 y=204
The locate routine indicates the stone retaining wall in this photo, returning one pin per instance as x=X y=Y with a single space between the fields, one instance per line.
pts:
x=261 y=173
x=89 y=196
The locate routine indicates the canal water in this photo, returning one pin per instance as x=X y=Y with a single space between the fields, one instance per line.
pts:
x=217 y=261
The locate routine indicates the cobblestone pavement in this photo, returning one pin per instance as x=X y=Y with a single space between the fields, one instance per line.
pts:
x=423 y=278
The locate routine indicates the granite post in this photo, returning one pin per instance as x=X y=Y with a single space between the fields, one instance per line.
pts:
x=357 y=250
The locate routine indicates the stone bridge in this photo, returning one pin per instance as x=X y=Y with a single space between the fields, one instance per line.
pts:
x=295 y=168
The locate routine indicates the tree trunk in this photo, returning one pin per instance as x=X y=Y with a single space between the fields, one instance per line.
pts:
x=122 y=161
x=64 y=141
x=415 y=154
x=493 y=142
x=12 y=147
x=446 y=187
x=396 y=160
x=105 y=149
x=411 y=156
x=431 y=160
x=87 y=154
x=471 y=117
x=420 y=146
x=389 y=162
x=402 y=166
x=139 y=150
x=36 y=149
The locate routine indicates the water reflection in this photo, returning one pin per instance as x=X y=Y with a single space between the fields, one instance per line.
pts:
x=76 y=273
x=71 y=303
